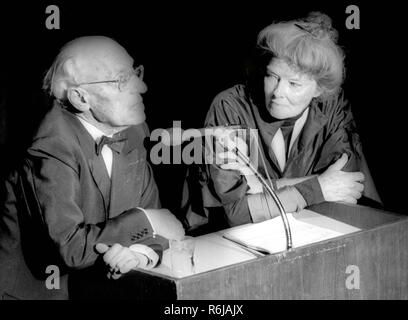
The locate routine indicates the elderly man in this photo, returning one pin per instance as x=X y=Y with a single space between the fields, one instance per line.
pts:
x=82 y=178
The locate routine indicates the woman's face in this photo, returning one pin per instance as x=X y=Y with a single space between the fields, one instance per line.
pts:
x=287 y=92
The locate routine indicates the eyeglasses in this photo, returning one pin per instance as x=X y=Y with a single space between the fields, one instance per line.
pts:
x=123 y=80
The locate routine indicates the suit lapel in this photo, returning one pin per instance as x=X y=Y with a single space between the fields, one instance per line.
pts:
x=267 y=137
x=96 y=164
x=123 y=190
x=127 y=173
x=101 y=178
x=314 y=123
x=299 y=124
x=267 y=131
x=127 y=180
x=278 y=143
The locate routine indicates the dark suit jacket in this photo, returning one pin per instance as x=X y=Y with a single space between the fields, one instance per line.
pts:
x=61 y=202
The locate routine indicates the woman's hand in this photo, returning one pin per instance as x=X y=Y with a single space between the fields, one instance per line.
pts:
x=338 y=185
x=120 y=259
x=231 y=161
x=226 y=151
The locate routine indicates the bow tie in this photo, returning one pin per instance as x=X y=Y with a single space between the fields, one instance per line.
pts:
x=115 y=143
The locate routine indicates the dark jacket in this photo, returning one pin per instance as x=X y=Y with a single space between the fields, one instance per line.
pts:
x=329 y=132
x=61 y=202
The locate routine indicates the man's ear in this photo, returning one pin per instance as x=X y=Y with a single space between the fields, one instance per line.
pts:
x=79 y=98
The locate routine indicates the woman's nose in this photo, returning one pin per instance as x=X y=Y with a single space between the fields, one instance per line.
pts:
x=280 y=89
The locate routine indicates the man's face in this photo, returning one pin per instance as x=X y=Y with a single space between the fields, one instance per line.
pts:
x=287 y=93
x=111 y=106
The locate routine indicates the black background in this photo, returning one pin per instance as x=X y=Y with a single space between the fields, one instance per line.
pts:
x=191 y=51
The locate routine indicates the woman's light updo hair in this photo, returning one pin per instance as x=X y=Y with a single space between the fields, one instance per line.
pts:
x=309 y=46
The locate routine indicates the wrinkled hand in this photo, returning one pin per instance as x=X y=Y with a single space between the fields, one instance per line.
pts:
x=226 y=152
x=342 y=186
x=120 y=259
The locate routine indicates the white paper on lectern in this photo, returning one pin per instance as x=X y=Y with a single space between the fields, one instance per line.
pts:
x=306 y=227
x=212 y=251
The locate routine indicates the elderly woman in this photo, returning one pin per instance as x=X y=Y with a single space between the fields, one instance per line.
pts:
x=306 y=132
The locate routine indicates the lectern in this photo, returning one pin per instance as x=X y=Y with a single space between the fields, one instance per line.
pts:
x=368 y=264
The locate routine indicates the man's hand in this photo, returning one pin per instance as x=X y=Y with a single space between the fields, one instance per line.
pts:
x=120 y=259
x=338 y=185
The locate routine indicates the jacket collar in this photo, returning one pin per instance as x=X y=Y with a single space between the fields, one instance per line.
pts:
x=316 y=120
x=314 y=123
x=134 y=135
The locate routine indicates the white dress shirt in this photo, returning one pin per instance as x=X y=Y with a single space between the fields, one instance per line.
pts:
x=97 y=136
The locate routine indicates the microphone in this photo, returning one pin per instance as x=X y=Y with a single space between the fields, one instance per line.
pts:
x=176 y=136
x=275 y=198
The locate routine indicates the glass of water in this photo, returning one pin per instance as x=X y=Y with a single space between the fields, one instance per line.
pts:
x=182 y=256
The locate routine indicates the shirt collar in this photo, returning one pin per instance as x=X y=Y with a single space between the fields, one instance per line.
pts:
x=95 y=133
x=135 y=135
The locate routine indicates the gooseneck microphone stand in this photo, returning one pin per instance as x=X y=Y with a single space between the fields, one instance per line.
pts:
x=271 y=192
x=196 y=133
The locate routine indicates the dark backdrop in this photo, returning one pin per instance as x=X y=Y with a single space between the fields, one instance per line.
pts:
x=193 y=51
